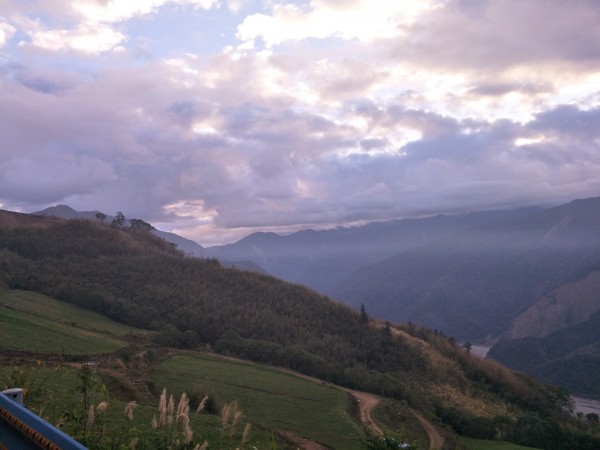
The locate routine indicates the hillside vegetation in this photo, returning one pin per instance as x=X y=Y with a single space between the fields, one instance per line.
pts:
x=140 y=280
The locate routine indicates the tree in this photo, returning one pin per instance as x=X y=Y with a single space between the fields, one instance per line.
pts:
x=119 y=220
x=364 y=317
x=387 y=330
x=101 y=216
x=140 y=225
x=593 y=417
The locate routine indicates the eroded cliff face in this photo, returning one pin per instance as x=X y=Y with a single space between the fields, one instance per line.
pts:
x=568 y=305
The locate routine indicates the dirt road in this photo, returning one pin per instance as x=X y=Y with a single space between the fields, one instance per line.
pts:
x=436 y=440
x=367 y=403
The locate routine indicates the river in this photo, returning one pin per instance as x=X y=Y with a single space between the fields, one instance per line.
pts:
x=586 y=405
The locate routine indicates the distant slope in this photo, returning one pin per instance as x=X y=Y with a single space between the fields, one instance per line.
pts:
x=569 y=357
x=570 y=304
x=471 y=285
x=322 y=259
x=558 y=338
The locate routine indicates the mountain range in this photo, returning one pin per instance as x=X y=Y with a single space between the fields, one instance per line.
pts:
x=524 y=280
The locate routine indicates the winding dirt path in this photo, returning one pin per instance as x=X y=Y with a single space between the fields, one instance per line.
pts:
x=366 y=404
x=436 y=440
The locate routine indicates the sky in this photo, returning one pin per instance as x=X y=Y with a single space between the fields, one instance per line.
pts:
x=217 y=118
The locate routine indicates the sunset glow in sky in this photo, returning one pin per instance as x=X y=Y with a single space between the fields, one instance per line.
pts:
x=215 y=118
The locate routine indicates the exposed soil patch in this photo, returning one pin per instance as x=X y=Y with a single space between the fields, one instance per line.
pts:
x=302 y=443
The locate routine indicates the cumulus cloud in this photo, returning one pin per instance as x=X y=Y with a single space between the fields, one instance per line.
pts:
x=87 y=38
x=119 y=10
x=356 y=19
x=6 y=31
x=87 y=26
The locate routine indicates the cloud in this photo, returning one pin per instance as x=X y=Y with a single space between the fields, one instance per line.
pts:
x=87 y=38
x=87 y=26
x=357 y=19
x=499 y=34
x=27 y=181
x=6 y=31
x=112 y=11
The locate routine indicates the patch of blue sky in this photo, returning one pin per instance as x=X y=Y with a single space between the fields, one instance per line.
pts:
x=178 y=30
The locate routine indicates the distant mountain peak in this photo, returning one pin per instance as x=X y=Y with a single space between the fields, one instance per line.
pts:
x=65 y=211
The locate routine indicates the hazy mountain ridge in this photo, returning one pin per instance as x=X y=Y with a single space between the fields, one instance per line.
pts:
x=474 y=283
x=321 y=259
x=534 y=282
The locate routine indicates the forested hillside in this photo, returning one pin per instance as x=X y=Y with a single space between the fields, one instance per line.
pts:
x=136 y=278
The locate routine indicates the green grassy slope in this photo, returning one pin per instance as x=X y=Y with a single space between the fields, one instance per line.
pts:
x=62 y=312
x=36 y=323
x=267 y=397
x=52 y=394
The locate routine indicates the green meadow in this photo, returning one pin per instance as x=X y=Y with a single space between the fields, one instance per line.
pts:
x=62 y=312
x=268 y=397
x=36 y=323
x=52 y=393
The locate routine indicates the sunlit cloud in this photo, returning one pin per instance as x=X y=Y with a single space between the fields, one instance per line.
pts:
x=360 y=19
x=88 y=38
x=6 y=31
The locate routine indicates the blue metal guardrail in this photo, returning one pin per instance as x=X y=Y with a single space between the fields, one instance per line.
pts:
x=20 y=429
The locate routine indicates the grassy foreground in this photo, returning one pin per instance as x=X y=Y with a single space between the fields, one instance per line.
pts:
x=268 y=397
x=53 y=394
